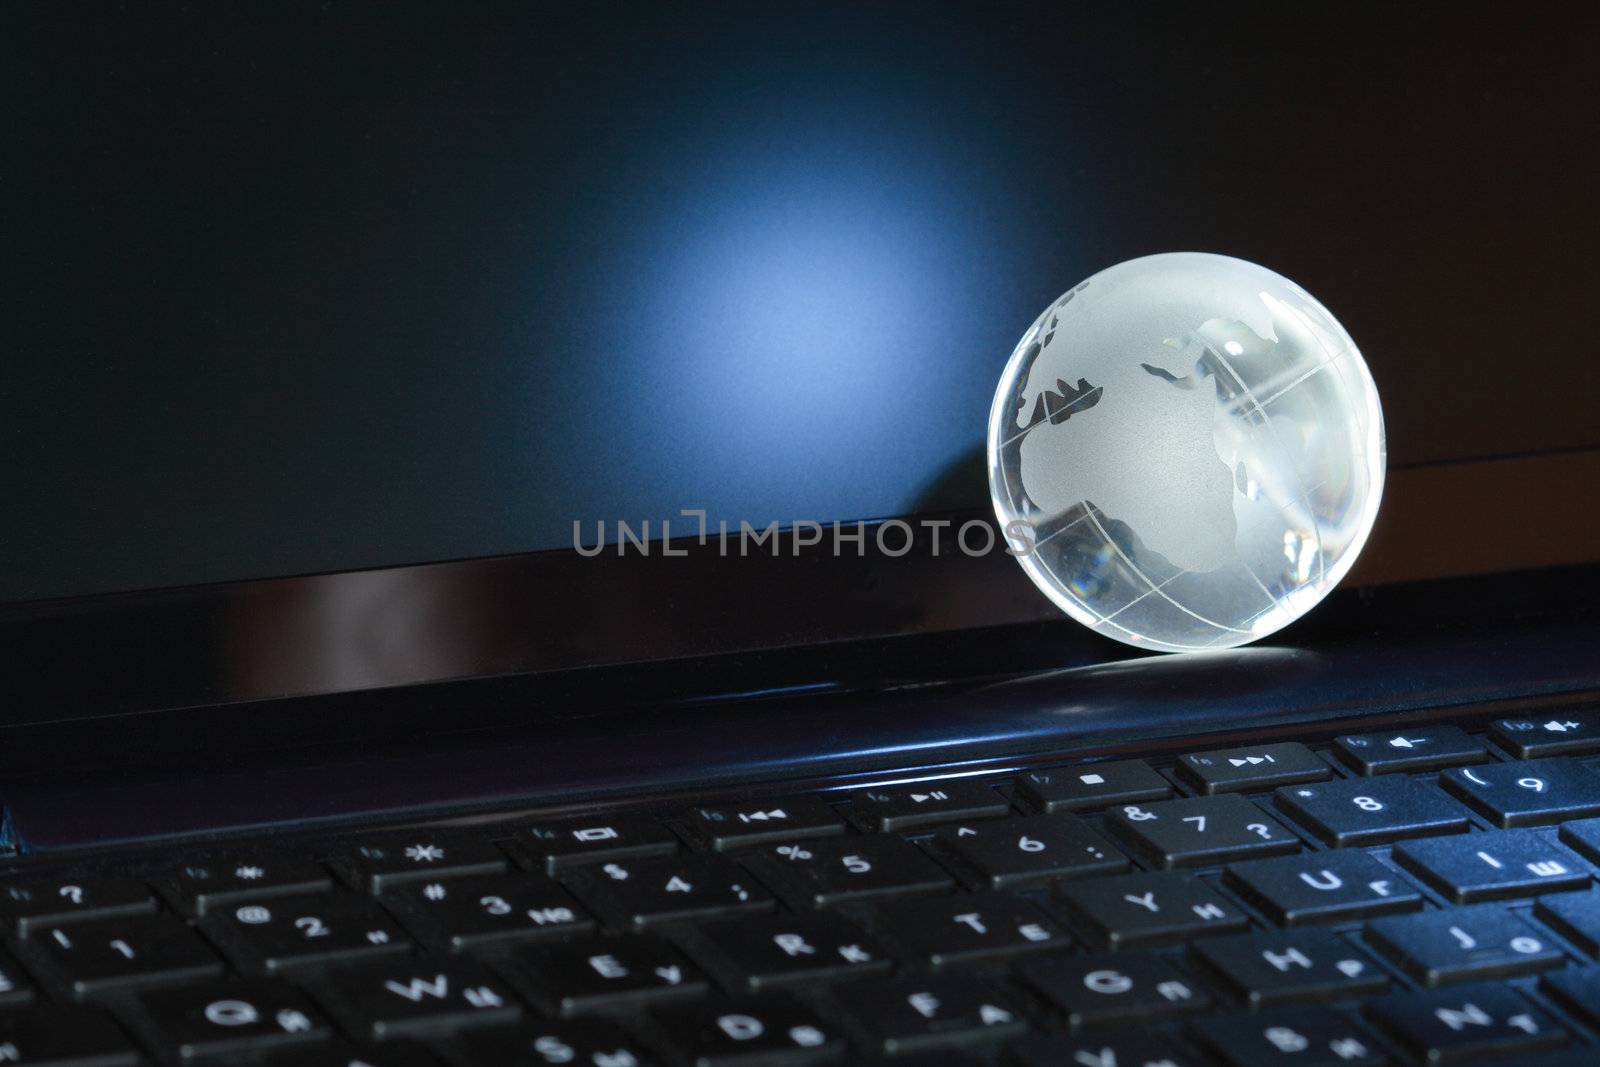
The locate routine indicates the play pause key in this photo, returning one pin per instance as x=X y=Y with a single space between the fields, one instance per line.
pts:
x=903 y=807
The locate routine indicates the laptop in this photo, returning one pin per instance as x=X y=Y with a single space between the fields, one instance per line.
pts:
x=498 y=564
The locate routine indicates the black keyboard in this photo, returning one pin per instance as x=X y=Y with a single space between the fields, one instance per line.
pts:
x=1418 y=896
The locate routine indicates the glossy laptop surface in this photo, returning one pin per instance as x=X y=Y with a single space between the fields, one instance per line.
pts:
x=342 y=336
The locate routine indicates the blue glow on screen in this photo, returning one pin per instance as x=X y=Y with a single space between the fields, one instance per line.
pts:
x=804 y=302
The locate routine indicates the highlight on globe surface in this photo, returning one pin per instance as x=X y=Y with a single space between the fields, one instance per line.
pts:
x=1186 y=451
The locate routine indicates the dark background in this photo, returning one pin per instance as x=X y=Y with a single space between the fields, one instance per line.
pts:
x=301 y=288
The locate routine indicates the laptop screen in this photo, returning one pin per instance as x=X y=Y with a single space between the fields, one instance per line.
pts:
x=337 y=288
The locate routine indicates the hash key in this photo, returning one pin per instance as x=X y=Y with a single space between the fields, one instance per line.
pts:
x=1323 y=887
x=1560 y=734
x=1371 y=811
x=903 y=807
x=1235 y=770
x=1527 y=792
x=471 y=911
x=1008 y=852
x=1149 y=908
x=1093 y=785
x=1481 y=941
x=1493 y=866
x=1199 y=831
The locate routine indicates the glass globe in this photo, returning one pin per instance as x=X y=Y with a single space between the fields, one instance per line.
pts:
x=1186 y=451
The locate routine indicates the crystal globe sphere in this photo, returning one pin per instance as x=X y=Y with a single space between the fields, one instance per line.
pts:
x=1186 y=451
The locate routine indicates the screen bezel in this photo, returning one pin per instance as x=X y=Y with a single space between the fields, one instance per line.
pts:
x=560 y=611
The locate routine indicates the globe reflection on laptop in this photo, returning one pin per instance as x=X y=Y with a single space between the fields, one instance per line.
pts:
x=1186 y=451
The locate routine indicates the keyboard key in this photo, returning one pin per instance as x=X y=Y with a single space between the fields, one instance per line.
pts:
x=219 y=881
x=1116 y=988
x=1559 y=734
x=380 y=862
x=1235 y=770
x=601 y=973
x=408 y=996
x=637 y=893
x=737 y=825
x=1323 y=887
x=483 y=909
x=1416 y=748
x=386 y=1054
x=1113 y=1049
x=1137 y=909
x=946 y=930
x=1482 y=941
x=230 y=1018
x=272 y=935
x=64 y=1037
x=1368 y=812
x=14 y=985
x=923 y=1013
x=788 y=948
x=1199 y=831
x=34 y=905
x=555 y=846
x=1493 y=866
x=772 y=1029
x=819 y=873
x=1578 y=991
x=1583 y=836
x=1575 y=916
x=1530 y=793
x=1094 y=785
x=96 y=956
x=1298 y=1037
x=1010 y=852
x=1271 y=968
x=583 y=1042
x=903 y=807
x=1483 y=1019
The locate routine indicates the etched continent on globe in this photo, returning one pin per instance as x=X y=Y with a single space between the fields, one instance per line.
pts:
x=1196 y=445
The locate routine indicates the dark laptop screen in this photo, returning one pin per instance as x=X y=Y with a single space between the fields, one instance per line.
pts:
x=324 y=287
